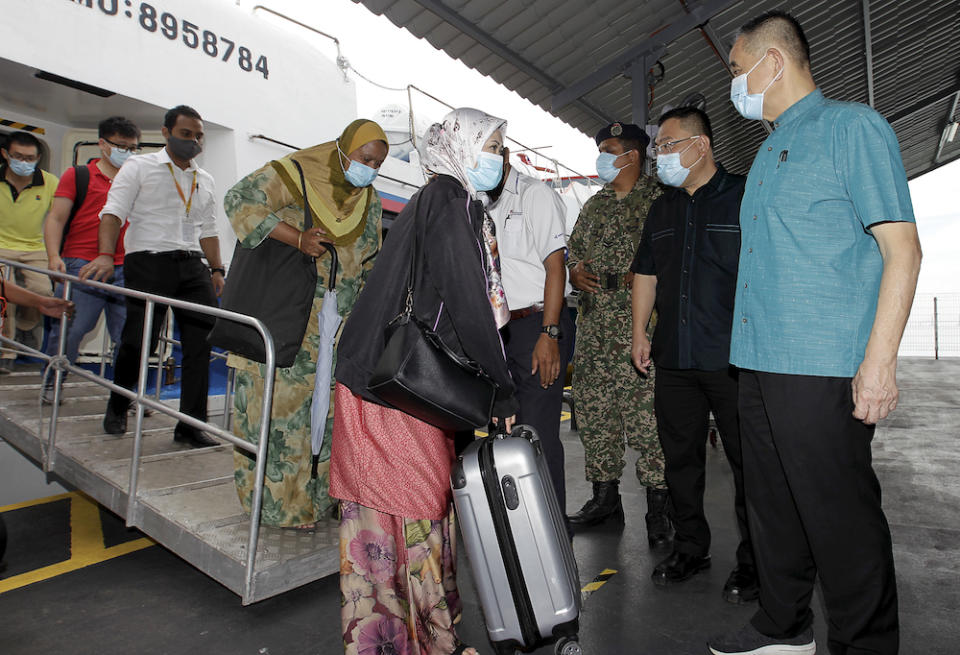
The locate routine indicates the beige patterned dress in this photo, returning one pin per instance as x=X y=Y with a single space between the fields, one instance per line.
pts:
x=292 y=497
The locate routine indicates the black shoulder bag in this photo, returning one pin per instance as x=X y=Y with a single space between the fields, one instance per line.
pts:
x=275 y=283
x=419 y=375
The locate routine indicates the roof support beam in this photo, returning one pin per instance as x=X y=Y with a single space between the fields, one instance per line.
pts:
x=949 y=133
x=697 y=16
x=920 y=105
x=500 y=49
x=868 y=50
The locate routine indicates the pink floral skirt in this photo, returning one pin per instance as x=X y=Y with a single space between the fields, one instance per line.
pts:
x=398 y=582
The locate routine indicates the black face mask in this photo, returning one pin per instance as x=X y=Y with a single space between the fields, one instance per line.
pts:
x=184 y=148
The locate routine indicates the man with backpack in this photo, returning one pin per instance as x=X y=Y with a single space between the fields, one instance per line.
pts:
x=70 y=235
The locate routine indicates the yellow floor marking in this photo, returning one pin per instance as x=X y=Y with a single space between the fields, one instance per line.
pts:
x=37 y=501
x=86 y=542
x=597 y=582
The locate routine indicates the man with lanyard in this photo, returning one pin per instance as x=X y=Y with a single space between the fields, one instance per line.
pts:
x=25 y=196
x=168 y=199
x=686 y=265
x=531 y=238
x=829 y=259
x=614 y=402
x=73 y=243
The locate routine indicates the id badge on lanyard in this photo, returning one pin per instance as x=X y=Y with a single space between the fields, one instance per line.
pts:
x=186 y=225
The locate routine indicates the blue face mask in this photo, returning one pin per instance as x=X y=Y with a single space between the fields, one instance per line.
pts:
x=117 y=157
x=488 y=172
x=357 y=174
x=669 y=169
x=605 y=166
x=749 y=105
x=22 y=168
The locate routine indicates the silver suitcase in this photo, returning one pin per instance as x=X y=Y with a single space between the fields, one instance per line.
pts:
x=517 y=543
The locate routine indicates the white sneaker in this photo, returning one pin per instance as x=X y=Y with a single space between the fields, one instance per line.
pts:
x=749 y=641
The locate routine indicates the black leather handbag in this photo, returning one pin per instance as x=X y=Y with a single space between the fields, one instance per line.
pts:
x=275 y=283
x=420 y=375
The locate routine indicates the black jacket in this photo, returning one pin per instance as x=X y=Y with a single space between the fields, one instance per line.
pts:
x=449 y=270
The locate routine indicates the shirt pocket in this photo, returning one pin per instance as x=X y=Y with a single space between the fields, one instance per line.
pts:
x=721 y=244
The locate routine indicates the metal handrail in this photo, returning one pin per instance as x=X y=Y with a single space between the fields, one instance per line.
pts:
x=59 y=364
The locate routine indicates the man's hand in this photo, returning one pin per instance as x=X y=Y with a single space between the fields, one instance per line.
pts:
x=100 y=269
x=54 y=307
x=508 y=422
x=546 y=359
x=54 y=263
x=217 y=278
x=583 y=279
x=640 y=353
x=875 y=392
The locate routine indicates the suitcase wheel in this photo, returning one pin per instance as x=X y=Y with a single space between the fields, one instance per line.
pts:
x=568 y=646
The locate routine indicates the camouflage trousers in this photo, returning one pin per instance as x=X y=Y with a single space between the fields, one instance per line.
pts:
x=613 y=401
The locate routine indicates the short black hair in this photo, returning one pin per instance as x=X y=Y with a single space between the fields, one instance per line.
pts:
x=692 y=117
x=784 y=29
x=120 y=126
x=170 y=118
x=633 y=144
x=24 y=139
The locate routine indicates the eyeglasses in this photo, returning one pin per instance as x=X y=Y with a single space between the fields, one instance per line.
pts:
x=30 y=159
x=122 y=149
x=669 y=146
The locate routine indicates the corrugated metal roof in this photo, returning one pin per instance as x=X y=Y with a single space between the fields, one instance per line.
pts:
x=539 y=47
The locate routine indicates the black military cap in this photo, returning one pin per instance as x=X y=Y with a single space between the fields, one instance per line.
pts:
x=627 y=131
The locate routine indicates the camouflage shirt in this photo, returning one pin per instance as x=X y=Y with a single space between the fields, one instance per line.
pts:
x=608 y=230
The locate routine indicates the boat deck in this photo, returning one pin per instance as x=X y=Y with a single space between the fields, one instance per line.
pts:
x=150 y=601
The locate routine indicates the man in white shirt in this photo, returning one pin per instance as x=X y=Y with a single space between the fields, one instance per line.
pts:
x=532 y=241
x=169 y=201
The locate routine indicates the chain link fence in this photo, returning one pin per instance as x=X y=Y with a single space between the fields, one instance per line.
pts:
x=933 y=329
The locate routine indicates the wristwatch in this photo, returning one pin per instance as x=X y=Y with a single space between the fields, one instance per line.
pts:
x=217 y=269
x=552 y=331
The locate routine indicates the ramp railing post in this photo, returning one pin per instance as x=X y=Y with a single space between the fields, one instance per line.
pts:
x=56 y=364
x=936 y=331
x=133 y=502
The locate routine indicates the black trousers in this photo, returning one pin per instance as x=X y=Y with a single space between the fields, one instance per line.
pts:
x=183 y=278
x=813 y=503
x=683 y=400
x=539 y=407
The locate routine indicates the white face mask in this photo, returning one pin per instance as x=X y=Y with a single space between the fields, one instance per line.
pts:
x=669 y=169
x=750 y=105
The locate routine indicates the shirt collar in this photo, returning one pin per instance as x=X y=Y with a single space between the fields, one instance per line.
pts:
x=513 y=181
x=799 y=108
x=164 y=158
x=36 y=181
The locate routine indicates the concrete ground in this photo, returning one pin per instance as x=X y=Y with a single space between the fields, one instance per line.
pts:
x=139 y=598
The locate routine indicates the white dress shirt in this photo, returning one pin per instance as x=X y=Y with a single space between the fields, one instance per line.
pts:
x=144 y=192
x=531 y=225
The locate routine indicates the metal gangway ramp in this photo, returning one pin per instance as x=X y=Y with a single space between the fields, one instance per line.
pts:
x=184 y=498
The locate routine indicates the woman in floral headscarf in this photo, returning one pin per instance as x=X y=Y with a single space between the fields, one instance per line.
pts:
x=391 y=471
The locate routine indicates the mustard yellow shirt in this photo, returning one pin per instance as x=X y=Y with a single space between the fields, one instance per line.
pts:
x=21 y=214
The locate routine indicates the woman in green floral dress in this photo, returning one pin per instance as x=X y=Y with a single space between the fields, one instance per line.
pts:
x=346 y=210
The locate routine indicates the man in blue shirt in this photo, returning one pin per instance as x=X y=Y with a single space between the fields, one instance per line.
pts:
x=829 y=259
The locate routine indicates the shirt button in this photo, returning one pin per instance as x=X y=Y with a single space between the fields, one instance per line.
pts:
x=683 y=321
x=688 y=247
x=769 y=149
x=754 y=217
x=683 y=296
x=690 y=223
x=744 y=285
x=761 y=183
x=749 y=249
x=744 y=320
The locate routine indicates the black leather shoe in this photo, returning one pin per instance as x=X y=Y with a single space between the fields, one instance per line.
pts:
x=741 y=586
x=678 y=567
x=114 y=422
x=194 y=437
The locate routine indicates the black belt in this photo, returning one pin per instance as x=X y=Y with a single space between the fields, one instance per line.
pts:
x=611 y=281
x=177 y=255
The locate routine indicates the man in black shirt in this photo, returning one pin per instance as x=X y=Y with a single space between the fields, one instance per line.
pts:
x=686 y=265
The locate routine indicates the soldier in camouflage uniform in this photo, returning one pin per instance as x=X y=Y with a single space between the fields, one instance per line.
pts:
x=614 y=402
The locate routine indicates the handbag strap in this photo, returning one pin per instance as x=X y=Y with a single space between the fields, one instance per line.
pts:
x=308 y=223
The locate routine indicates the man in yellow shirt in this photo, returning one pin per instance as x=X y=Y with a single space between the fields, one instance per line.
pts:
x=25 y=196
